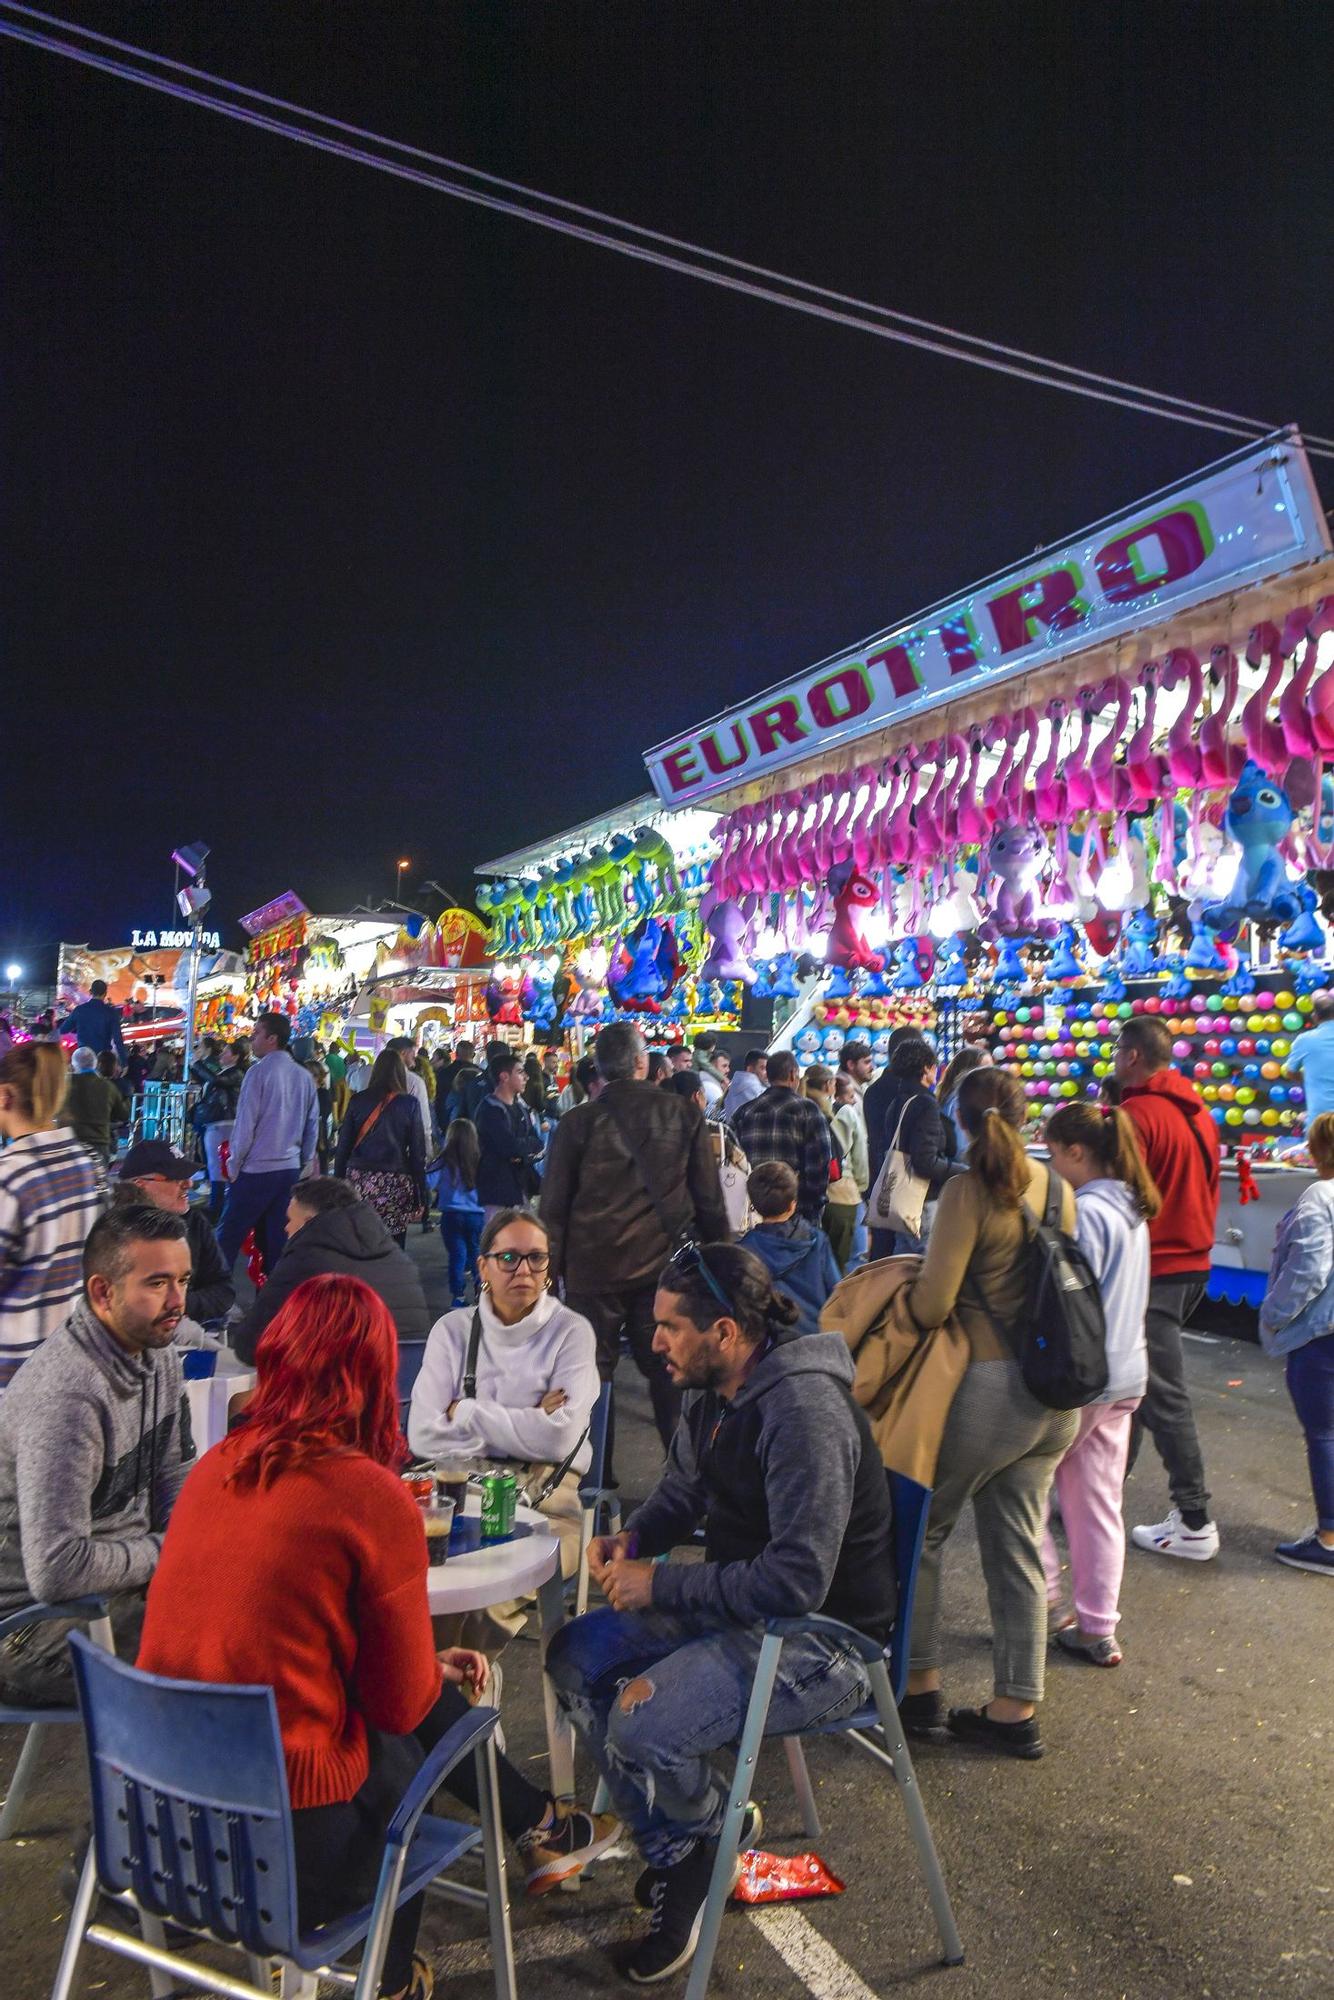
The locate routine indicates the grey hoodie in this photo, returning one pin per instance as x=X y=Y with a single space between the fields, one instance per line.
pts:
x=792 y=1491
x=95 y=1444
x=1115 y=1238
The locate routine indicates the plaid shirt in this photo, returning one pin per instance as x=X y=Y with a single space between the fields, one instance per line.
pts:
x=49 y=1200
x=780 y=1125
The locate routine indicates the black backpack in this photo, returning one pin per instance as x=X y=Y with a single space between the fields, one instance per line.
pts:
x=1061 y=1341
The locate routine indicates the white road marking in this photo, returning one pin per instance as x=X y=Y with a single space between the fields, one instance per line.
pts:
x=812 y=1958
x=1205 y=1339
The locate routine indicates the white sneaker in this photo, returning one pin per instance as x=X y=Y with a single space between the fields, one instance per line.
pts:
x=1173 y=1538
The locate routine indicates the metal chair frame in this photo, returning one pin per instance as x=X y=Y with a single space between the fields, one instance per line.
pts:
x=38 y=1720
x=169 y=1847
x=594 y=1496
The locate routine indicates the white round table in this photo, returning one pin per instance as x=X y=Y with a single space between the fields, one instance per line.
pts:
x=209 y=1395
x=497 y=1572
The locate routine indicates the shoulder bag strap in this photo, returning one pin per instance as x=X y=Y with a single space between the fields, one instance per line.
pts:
x=553 y=1479
x=374 y=1119
x=670 y=1233
x=894 y=1146
x=470 y=1362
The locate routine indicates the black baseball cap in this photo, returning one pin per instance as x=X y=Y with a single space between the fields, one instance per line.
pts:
x=155 y=1156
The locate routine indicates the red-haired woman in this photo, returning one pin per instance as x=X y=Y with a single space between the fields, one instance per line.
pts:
x=296 y=1558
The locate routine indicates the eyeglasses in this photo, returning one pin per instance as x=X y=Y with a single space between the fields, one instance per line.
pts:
x=689 y=1260
x=510 y=1260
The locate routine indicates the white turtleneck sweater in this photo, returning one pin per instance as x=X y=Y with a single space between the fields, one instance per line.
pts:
x=552 y=1348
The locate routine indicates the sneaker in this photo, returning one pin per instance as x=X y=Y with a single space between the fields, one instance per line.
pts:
x=1014 y=1739
x=923 y=1715
x=551 y=1854
x=752 y=1826
x=422 y=1984
x=1060 y=1618
x=679 y=1894
x=1173 y=1538
x=1100 y=1652
x=1309 y=1553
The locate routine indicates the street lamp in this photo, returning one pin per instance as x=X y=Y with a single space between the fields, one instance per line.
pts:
x=398 y=877
x=13 y=974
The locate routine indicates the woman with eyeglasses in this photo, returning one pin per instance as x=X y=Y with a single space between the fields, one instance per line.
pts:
x=536 y=1381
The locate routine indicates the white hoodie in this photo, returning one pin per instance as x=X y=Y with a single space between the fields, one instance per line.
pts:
x=1114 y=1237
x=552 y=1348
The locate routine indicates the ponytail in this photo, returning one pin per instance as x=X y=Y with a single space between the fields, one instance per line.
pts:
x=1109 y=1135
x=35 y=1072
x=991 y=1108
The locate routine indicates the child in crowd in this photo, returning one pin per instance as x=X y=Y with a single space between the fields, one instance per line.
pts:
x=1297 y=1321
x=1096 y=1150
x=461 y=1210
x=797 y=1254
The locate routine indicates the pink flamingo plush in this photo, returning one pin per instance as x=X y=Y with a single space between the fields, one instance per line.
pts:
x=971 y=822
x=1147 y=767
x=1183 y=753
x=1320 y=692
x=1266 y=744
x=1221 y=760
x=900 y=840
x=1111 y=781
x=1293 y=718
x=1001 y=733
x=957 y=751
x=1078 y=776
x=930 y=838
x=1048 y=785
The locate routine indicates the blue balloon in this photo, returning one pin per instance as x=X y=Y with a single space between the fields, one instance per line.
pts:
x=1251 y=1071
x=1278 y=1093
x=1228 y=1046
x=1262 y=1046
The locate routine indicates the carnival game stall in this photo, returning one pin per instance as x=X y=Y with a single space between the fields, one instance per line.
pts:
x=429 y=979
x=310 y=967
x=1099 y=785
x=601 y=923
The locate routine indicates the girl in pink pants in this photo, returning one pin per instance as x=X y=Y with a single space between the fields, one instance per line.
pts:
x=1096 y=1149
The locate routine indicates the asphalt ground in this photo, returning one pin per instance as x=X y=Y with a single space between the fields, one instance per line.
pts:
x=1174 y=1842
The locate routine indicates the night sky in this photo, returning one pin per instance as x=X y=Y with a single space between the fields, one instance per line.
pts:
x=343 y=521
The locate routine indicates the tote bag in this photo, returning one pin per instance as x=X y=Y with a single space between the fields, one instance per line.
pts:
x=899 y=1195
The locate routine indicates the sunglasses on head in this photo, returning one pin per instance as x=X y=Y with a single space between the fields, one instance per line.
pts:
x=689 y=1261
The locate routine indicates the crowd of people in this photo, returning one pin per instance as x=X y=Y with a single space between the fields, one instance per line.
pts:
x=584 y=1214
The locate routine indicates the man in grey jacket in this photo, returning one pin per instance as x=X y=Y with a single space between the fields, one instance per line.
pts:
x=95 y=1444
x=778 y=1463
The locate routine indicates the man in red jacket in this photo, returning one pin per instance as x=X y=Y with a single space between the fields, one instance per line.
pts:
x=1181 y=1152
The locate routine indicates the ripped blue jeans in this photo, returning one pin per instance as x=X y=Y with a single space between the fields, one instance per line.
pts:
x=651 y=1693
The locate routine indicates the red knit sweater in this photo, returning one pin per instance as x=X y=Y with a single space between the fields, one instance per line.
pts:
x=314 y=1586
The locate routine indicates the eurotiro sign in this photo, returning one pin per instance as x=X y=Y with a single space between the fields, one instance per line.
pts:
x=1254 y=515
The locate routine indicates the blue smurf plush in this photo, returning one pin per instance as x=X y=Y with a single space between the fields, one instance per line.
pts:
x=1259 y=816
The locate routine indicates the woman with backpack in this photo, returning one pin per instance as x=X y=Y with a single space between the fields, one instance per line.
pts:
x=461 y=1212
x=381 y=1150
x=1001 y=1446
x=1097 y=1151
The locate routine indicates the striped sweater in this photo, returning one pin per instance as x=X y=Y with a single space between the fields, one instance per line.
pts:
x=49 y=1200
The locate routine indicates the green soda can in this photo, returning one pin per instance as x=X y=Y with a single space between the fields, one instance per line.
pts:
x=511 y=1500
x=496 y=1506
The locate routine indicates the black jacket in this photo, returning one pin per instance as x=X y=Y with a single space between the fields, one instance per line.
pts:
x=925 y=1138
x=212 y=1293
x=394 y=1146
x=607 y=1231
x=509 y=1145
x=354 y=1243
x=218 y=1102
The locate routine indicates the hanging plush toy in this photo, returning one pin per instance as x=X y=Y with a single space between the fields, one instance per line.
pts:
x=954 y=972
x=846 y=945
x=1139 y=955
x=1258 y=818
x=726 y=926
x=1304 y=933
x=1016 y=856
x=1066 y=968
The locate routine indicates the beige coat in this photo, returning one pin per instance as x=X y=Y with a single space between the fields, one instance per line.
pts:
x=905 y=1380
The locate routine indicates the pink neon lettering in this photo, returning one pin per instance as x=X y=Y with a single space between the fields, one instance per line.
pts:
x=898 y=663
x=681 y=768
x=960 y=642
x=1051 y=600
x=1183 y=546
x=778 y=723
x=713 y=755
x=851 y=684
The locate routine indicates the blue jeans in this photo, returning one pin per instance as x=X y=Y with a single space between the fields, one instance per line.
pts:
x=461 y=1229
x=651 y=1693
x=1310 y=1376
x=258 y=1202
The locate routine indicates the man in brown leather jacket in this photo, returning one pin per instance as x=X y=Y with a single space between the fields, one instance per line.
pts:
x=629 y=1176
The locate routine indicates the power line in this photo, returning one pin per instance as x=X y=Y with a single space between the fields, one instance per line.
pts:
x=1081 y=382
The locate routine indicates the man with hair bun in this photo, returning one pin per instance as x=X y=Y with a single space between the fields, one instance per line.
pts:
x=1180 y=1146
x=777 y=1462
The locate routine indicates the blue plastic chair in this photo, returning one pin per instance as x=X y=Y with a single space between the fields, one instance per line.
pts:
x=192 y=1826
x=410 y=1353
x=887 y=1668
x=36 y=1720
x=594 y=1495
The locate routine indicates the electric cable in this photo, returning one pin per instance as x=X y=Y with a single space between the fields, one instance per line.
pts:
x=1080 y=381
